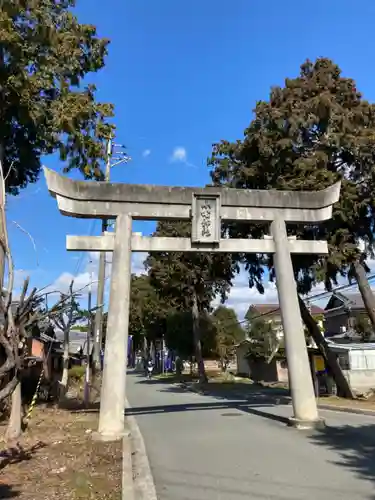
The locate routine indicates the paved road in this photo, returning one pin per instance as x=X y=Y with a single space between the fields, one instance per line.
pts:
x=207 y=448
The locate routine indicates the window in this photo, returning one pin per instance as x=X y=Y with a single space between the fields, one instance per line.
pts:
x=344 y=361
x=358 y=360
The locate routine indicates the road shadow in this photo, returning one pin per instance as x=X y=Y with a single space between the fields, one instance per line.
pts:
x=233 y=405
x=16 y=454
x=354 y=444
x=160 y=380
x=7 y=491
x=249 y=398
x=212 y=387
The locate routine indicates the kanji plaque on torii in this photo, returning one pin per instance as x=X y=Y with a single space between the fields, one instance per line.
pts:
x=206 y=222
x=206 y=208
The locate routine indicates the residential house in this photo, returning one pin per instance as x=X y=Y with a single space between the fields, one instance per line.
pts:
x=258 y=369
x=342 y=312
x=357 y=361
x=77 y=344
x=271 y=312
x=43 y=355
x=45 y=351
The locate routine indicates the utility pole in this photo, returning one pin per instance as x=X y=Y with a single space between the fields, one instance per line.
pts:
x=101 y=275
x=111 y=161
x=88 y=344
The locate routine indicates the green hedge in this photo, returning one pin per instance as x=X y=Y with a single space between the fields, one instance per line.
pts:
x=77 y=373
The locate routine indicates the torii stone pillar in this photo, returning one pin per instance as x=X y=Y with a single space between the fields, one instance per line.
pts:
x=205 y=207
x=112 y=408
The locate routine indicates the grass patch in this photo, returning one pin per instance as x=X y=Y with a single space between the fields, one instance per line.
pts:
x=77 y=373
x=214 y=377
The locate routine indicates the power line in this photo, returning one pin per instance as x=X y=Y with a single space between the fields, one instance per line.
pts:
x=342 y=287
x=312 y=298
x=84 y=254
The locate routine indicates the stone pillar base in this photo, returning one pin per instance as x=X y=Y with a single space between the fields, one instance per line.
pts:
x=301 y=425
x=107 y=438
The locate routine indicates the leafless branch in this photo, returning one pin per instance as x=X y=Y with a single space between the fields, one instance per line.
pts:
x=10 y=362
x=31 y=239
x=9 y=388
x=12 y=332
x=9 y=171
x=24 y=291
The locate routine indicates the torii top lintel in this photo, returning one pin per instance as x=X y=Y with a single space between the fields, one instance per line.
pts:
x=104 y=200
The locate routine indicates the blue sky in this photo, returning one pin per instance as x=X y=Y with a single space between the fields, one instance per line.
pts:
x=183 y=75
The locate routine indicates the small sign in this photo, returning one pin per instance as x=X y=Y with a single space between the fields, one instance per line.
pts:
x=206 y=222
x=319 y=365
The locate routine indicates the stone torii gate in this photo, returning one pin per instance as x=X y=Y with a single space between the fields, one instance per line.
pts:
x=206 y=208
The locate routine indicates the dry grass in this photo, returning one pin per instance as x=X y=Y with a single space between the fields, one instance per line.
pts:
x=359 y=404
x=56 y=459
x=212 y=375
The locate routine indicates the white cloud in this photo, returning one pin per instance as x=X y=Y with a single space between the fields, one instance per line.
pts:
x=138 y=263
x=19 y=277
x=241 y=296
x=146 y=153
x=179 y=155
x=90 y=274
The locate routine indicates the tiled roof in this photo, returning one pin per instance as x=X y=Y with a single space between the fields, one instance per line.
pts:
x=77 y=339
x=355 y=300
x=349 y=300
x=360 y=346
x=266 y=308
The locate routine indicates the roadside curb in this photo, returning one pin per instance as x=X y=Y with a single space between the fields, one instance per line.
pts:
x=128 y=492
x=143 y=481
x=341 y=409
x=346 y=409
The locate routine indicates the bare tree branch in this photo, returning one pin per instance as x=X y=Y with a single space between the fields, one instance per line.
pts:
x=24 y=291
x=31 y=239
x=9 y=388
x=11 y=167
x=13 y=331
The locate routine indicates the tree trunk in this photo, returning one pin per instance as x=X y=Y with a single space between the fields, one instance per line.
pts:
x=65 y=373
x=368 y=298
x=330 y=358
x=14 y=429
x=3 y=228
x=145 y=347
x=223 y=365
x=197 y=341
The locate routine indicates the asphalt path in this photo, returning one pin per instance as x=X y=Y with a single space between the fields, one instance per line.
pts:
x=227 y=448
